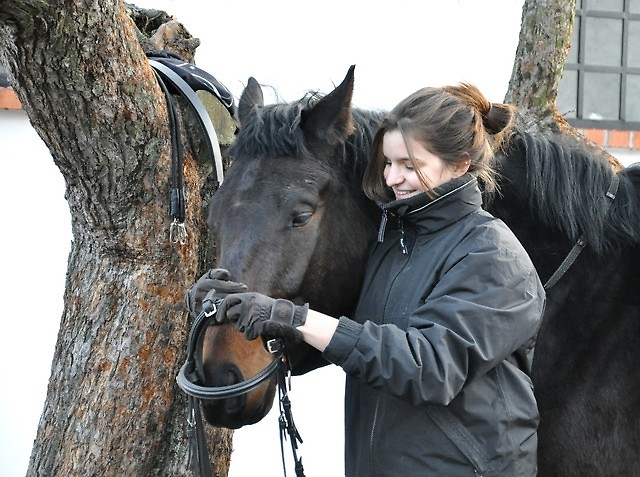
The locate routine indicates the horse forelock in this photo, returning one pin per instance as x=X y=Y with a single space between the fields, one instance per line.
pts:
x=567 y=184
x=275 y=132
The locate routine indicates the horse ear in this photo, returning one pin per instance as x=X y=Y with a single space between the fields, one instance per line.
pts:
x=250 y=101
x=329 y=120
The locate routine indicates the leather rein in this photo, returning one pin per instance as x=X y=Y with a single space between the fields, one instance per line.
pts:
x=189 y=380
x=581 y=242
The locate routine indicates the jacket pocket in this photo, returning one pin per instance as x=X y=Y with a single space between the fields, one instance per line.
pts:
x=469 y=445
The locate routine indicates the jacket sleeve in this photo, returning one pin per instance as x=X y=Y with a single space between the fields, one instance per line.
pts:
x=486 y=306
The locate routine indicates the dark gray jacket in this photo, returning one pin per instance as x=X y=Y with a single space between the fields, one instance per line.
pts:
x=438 y=352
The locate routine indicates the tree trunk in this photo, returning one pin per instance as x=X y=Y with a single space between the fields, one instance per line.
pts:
x=112 y=407
x=545 y=38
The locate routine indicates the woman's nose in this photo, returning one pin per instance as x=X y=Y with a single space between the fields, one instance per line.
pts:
x=393 y=176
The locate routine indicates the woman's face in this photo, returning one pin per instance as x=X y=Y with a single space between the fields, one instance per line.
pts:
x=399 y=172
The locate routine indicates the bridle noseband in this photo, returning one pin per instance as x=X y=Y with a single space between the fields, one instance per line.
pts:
x=190 y=381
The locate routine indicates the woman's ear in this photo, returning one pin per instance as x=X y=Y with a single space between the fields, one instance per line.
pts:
x=462 y=166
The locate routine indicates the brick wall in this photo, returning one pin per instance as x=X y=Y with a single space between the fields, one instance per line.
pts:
x=8 y=99
x=611 y=138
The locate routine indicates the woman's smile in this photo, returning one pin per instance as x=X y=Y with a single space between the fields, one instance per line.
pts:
x=403 y=194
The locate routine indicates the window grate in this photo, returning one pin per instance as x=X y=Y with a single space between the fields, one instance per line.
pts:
x=600 y=87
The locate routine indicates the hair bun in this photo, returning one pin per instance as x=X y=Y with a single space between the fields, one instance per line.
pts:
x=497 y=117
x=487 y=113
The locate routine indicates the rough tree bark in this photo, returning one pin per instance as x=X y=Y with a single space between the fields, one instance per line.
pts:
x=112 y=407
x=545 y=38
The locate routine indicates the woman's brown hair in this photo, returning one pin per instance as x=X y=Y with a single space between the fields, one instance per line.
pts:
x=456 y=123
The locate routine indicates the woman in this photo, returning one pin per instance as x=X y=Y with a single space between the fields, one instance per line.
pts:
x=437 y=353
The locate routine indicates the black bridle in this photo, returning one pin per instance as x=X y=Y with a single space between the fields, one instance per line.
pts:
x=190 y=381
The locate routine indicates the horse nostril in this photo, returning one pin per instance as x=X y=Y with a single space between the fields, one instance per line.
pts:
x=233 y=405
x=231 y=375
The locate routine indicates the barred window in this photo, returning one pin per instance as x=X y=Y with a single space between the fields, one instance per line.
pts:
x=600 y=87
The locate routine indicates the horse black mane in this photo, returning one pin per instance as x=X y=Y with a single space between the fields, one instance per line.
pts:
x=275 y=132
x=358 y=147
x=566 y=180
x=567 y=183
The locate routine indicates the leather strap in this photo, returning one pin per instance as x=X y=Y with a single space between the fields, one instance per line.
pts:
x=201 y=113
x=581 y=243
x=199 y=452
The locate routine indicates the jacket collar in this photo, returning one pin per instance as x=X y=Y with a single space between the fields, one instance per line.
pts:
x=455 y=199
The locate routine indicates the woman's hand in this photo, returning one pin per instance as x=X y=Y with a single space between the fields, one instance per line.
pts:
x=259 y=315
x=212 y=286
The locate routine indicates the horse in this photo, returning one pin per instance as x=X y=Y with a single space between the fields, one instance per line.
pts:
x=559 y=196
x=290 y=221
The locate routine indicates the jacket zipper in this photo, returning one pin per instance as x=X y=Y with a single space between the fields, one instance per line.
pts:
x=403 y=245
x=373 y=431
x=376 y=409
x=383 y=226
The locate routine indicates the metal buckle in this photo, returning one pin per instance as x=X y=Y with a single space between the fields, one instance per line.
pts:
x=274 y=345
x=191 y=419
x=210 y=310
x=177 y=232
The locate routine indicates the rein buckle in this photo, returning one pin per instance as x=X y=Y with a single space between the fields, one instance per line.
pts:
x=210 y=307
x=274 y=345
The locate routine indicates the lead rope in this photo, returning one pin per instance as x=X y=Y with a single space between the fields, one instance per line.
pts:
x=286 y=424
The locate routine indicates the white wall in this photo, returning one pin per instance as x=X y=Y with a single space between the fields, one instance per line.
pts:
x=34 y=243
x=625 y=156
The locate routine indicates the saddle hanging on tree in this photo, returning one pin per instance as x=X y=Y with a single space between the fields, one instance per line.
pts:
x=177 y=76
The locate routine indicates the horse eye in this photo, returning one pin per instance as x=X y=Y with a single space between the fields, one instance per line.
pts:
x=301 y=219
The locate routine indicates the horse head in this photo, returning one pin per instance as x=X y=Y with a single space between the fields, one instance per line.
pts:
x=290 y=221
